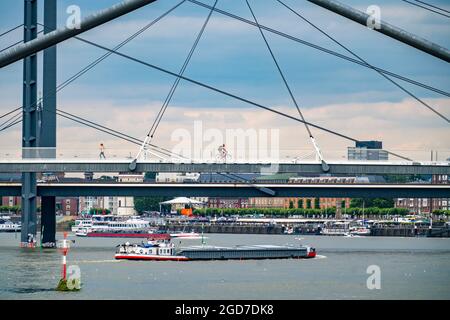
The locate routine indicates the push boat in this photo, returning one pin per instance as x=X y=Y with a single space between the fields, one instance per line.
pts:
x=166 y=251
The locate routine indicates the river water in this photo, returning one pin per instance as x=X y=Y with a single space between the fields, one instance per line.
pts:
x=410 y=268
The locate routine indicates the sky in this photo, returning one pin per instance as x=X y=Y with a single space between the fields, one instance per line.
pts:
x=232 y=56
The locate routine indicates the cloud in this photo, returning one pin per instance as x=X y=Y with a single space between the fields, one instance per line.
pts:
x=403 y=127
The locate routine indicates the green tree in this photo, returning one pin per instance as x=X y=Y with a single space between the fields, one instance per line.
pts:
x=316 y=203
x=142 y=204
x=372 y=202
x=291 y=204
x=308 y=203
x=99 y=211
x=300 y=203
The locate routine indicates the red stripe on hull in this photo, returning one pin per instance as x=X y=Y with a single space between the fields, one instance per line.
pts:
x=151 y=236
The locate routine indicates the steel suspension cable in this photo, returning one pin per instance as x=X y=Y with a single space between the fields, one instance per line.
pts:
x=362 y=60
x=95 y=125
x=431 y=5
x=172 y=90
x=325 y=50
x=9 y=112
x=93 y=64
x=106 y=55
x=201 y=84
x=16 y=43
x=316 y=146
x=10 y=30
x=11 y=125
x=11 y=119
x=183 y=69
x=425 y=8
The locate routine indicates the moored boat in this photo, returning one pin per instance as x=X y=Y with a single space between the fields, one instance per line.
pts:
x=120 y=227
x=6 y=225
x=185 y=235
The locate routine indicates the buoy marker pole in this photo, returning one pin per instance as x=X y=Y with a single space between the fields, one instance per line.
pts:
x=65 y=248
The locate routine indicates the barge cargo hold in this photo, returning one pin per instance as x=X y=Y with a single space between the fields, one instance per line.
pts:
x=167 y=251
x=247 y=252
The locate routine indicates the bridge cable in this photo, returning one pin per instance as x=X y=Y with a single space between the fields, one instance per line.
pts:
x=248 y=182
x=11 y=30
x=325 y=50
x=16 y=43
x=137 y=141
x=224 y=92
x=362 y=60
x=13 y=118
x=425 y=8
x=331 y=52
x=231 y=95
x=92 y=65
x=325 y=166
x=106 y=55
x=98 y=60
x=165 y=105
x=433 y=6
x=9 y=112
x=11 y=125
x=131 y=140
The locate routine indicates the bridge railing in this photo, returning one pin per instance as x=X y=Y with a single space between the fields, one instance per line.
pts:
x=213 y=156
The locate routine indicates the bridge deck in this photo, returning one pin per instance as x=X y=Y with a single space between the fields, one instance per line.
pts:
x=233 y=190
x=347 y=167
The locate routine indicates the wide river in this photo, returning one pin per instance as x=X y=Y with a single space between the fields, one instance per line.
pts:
x=410 y=268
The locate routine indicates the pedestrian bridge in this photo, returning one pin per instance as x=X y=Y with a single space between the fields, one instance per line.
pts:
x=304 y=167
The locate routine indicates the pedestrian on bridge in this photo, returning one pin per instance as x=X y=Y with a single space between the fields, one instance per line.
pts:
x=102 y=151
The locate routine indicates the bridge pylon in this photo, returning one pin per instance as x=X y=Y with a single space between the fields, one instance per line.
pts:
x=29 y=124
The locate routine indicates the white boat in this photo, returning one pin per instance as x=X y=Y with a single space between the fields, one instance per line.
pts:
x=9 y=226
x=360 y=231
x=345 y=228
x=82 y=232
x=335 y=228
x=350 y=235
x=81 y=224
x=185 y=235
x=109 y=223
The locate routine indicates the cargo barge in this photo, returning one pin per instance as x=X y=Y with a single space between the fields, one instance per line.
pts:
x=166 y=251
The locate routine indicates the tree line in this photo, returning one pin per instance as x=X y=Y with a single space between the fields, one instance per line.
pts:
x=281 y=212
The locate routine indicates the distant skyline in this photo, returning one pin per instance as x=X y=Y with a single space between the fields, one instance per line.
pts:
x=333 y=93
